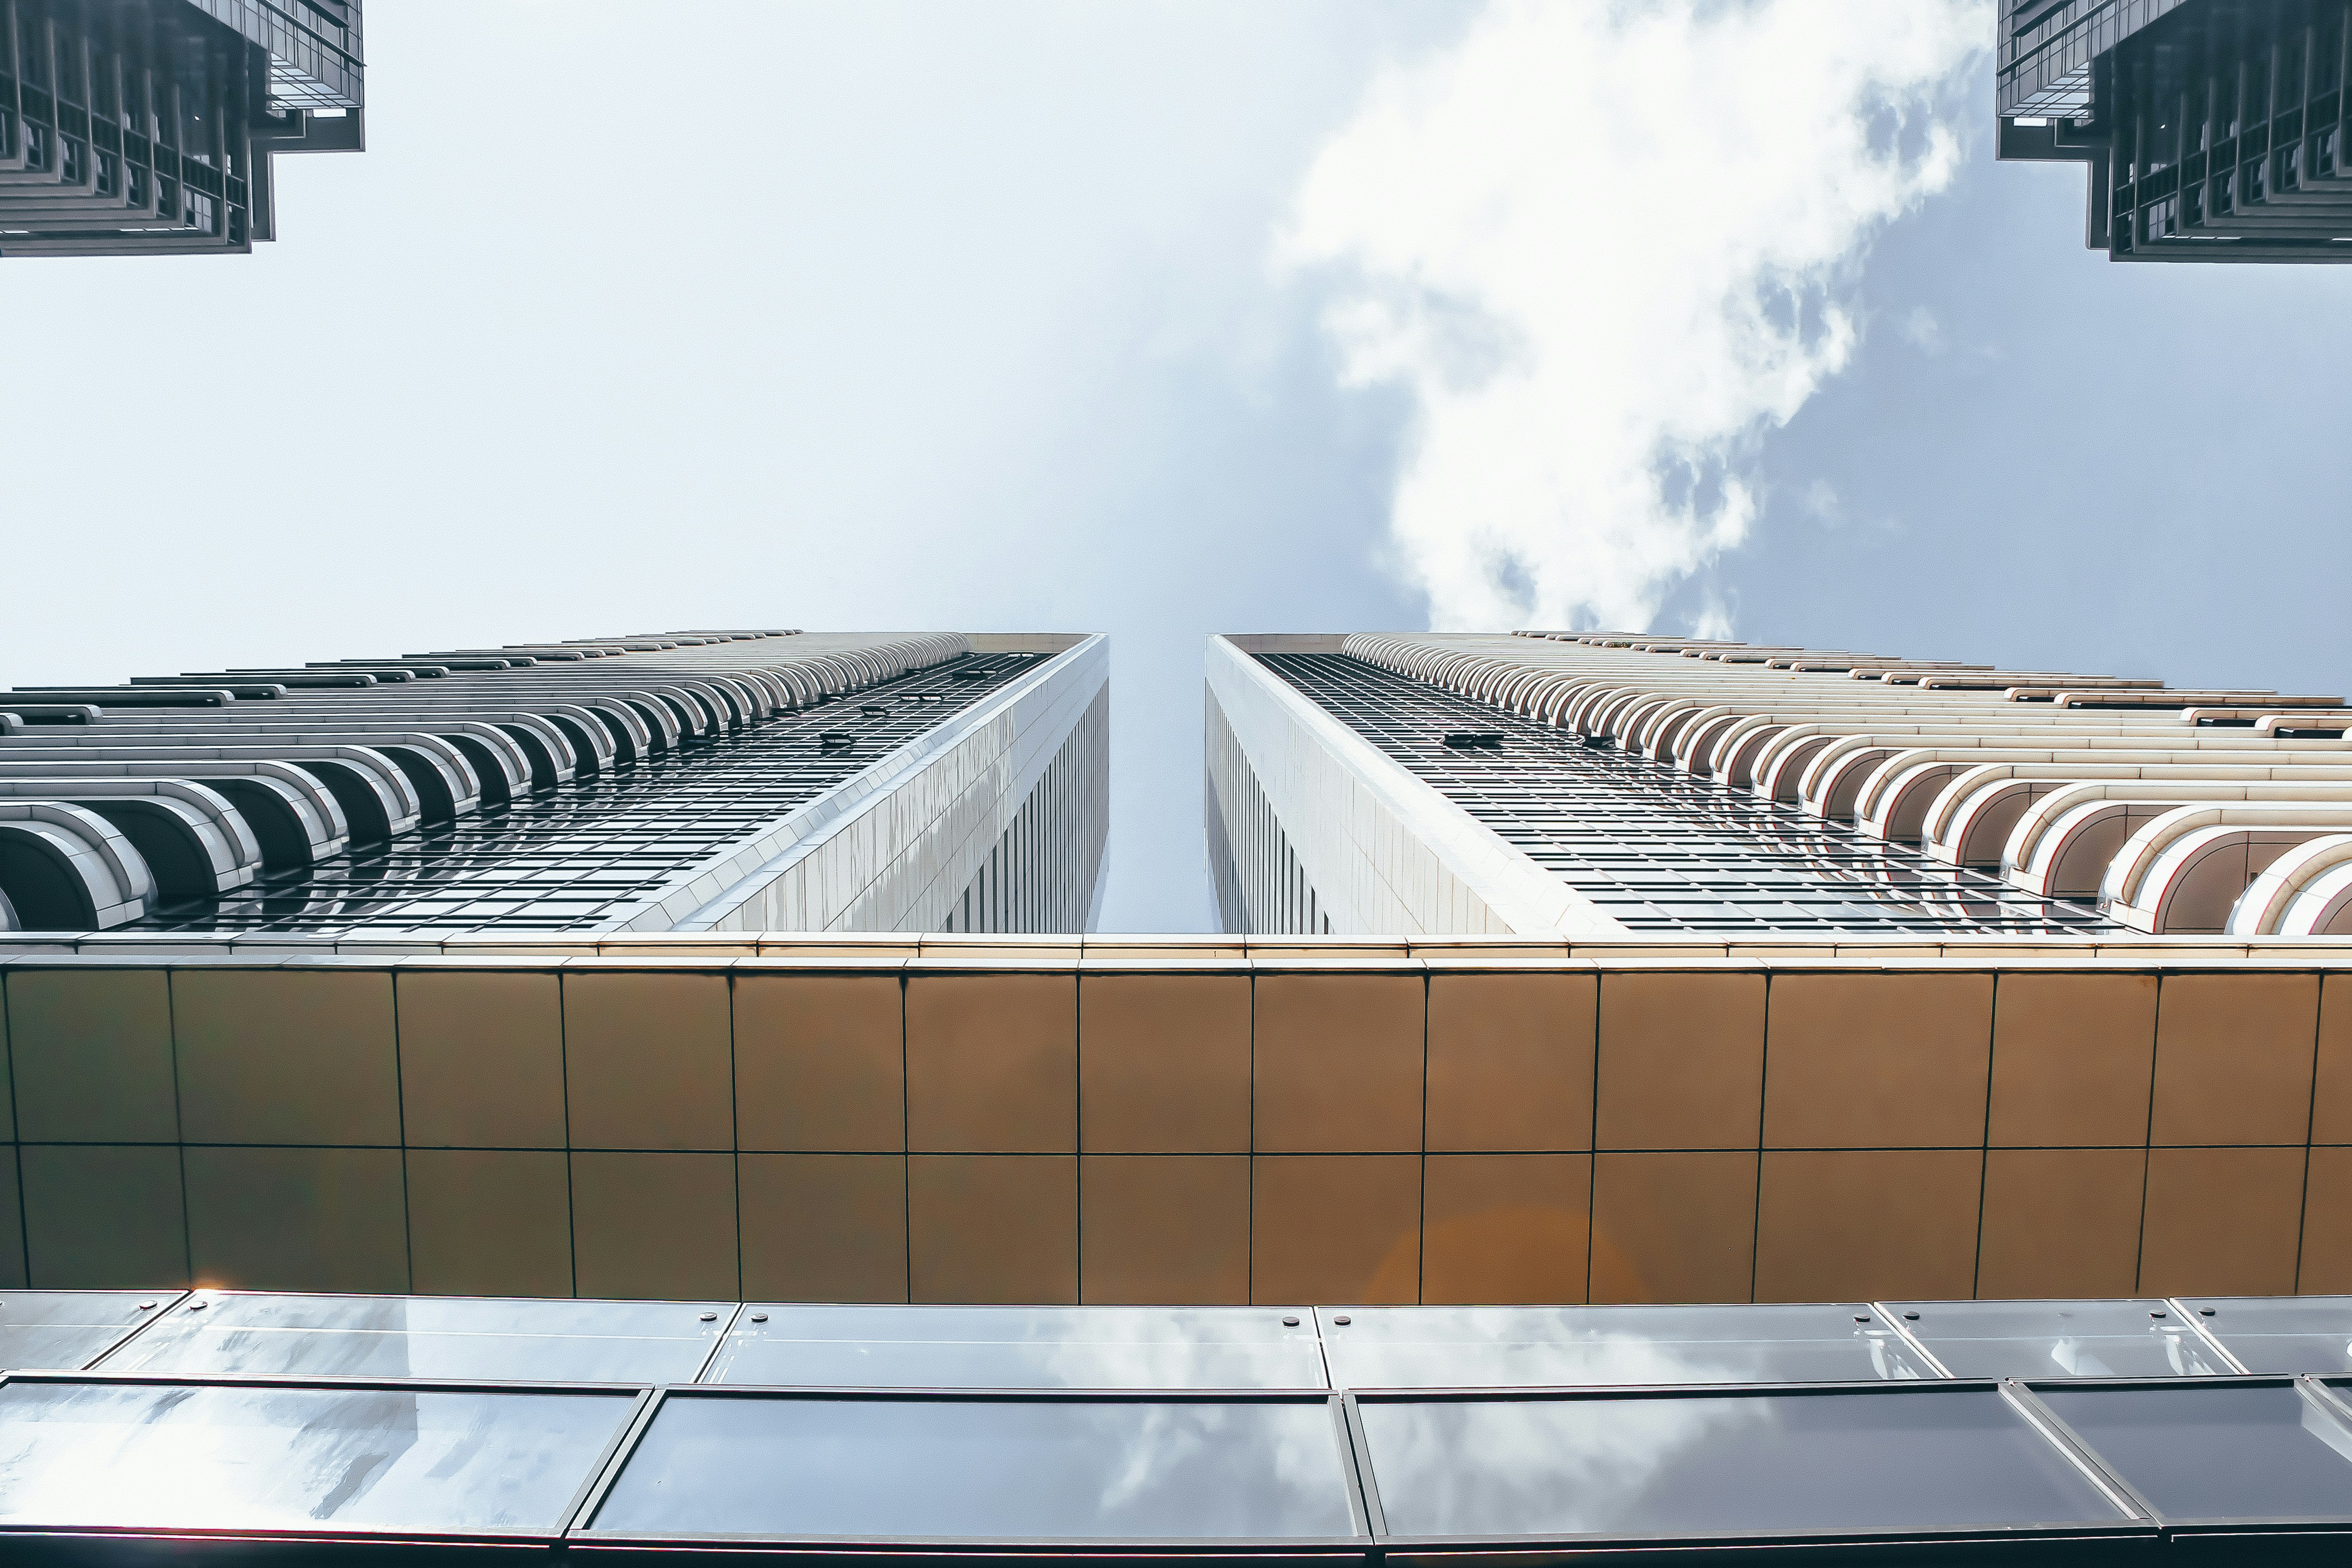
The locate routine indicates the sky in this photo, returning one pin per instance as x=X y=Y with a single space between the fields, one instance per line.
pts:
x=1163 y=319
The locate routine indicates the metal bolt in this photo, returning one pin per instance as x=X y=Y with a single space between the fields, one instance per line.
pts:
x=710 y=1317
x=2204 y=1312
x=2155 y=1314
x=1289 y=1323
x=146 y=1306
x=196 y=1306
x=759 y=1317
x=1862 y=1317
x=1910 y=1317
x=1341 y=1320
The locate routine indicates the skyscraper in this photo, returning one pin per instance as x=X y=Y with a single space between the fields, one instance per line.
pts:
x=1590 y=785
x=147 y=127
x=1754 y=1181
x=2214 y=130
x=694 y=780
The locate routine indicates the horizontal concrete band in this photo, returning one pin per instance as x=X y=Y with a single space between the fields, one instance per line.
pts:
x=1205 y=1129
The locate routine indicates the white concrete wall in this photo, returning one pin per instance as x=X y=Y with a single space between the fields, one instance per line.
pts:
x=894 y=847
x=1386 y=853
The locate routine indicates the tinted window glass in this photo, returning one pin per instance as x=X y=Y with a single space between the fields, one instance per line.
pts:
x=2281 y=1333
x=2063 y=1339
x=423 y=1336
x=190 y=1456
x=1022 y=1347
x=916 y=1469
x=2216 y=1451
x=1799 y=1464
x=62 y=1330
x=1472 y=1347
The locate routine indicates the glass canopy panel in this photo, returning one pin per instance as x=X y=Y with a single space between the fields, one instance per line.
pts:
x=63 y=1330
x=2281 y=1333
x=1826 y=1463
x=1005 y=1470
x=2216 y=1450
x=225 y=1333
x=82 y=1453
x=1502 y=1347
x=1022 y=1347
x=2062 y=1339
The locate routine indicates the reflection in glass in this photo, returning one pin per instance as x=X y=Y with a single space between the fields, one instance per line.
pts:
x=1664 y=1465
x=58 y=1331
x=1022 y=1347
x=2281 y=1333
x=1502 y=1347
x=2216 y=1451
x=904 y=1469
x=285 y=1458
x=425 y=1336
x=2063 y=1339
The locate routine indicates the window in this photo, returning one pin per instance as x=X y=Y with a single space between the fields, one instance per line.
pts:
x=1904 y=1458
x=981 y=1467
x=2068 y=1339
x=422 y=1336
x=2216 y=1449
x=1491 y=1347
x=285 y=1456
x=1020 y=1347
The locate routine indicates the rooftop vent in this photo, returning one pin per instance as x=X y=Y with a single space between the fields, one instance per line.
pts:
x=1475 y=739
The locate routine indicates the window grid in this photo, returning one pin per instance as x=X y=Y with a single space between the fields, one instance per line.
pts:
x=576 y=858
x=1654 y=848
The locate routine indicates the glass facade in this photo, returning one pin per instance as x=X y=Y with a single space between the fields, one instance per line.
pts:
x=148 y=129
x=609 y=1424
x=638 y=783
x=2229 y=134
x=2215 y=129
x=573 y=857
x=1654 y=848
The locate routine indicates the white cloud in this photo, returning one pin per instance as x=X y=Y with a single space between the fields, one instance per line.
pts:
x=1606 y=246
x=1924 y=329
x=1821 y=501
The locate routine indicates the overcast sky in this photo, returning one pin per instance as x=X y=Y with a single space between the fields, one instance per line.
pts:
x=1167 y=319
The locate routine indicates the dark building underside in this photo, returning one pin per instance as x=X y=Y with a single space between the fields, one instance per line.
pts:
x=2214 y=130
x=146 y=127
